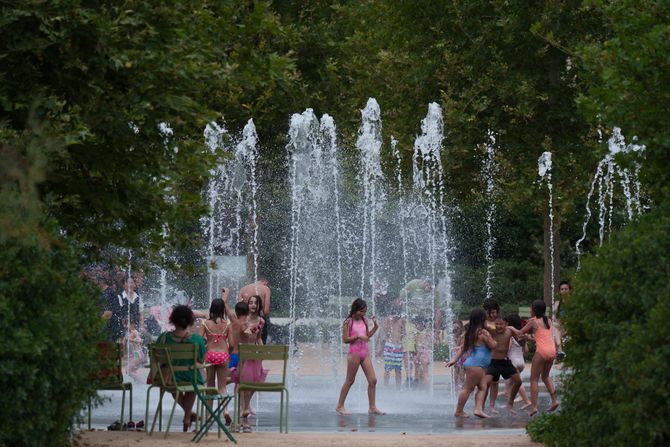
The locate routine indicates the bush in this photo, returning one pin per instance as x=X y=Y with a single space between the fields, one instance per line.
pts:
x=619 y=390
x=49 y=321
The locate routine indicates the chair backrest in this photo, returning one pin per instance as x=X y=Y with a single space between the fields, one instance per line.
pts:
x=170 y=359
x=524 y=311
x=109 y=358
x=264 y=352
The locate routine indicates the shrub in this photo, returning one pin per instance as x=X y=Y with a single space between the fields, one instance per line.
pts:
x=619 y=390
x=49 y=321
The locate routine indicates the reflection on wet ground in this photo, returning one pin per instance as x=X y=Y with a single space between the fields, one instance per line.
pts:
x=312 y=409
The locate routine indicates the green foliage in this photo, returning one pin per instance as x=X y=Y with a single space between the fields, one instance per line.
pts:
x=48 y=316
x=619 y=388
x=98 y=79
x=628 y=81
x=538 y=428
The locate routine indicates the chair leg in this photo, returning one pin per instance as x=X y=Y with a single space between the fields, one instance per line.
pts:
x=130 y=409
x=90 y=403
x=281 y=410
x=167 y=429
x=158 y=409
x=146 y=410
x=123 y=404
x=286 y=412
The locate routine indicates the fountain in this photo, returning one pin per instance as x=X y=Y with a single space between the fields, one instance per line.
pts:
x=544 y=172
x=604 y=177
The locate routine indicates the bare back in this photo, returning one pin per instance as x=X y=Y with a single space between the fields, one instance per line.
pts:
x=257 y=288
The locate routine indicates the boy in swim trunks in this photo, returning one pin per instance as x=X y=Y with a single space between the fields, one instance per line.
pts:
x=394 y=331
x=501 y=365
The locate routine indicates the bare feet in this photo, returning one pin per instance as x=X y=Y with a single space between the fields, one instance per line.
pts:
x=375 y=410
x=461 y=414
x=553 y=407
x=510 y=408
x=526 y=405
x=533 y=411
x=480 y=414
x=492 y=410
x=342 y=411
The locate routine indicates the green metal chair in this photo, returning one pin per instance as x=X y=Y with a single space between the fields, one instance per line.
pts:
x=110 y=377
x=183 y=357
x=524 y=311
x=264 y=352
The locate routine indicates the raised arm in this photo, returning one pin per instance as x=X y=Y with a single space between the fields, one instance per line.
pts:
x=375 y=327
x=230 y=313
x=458 y=355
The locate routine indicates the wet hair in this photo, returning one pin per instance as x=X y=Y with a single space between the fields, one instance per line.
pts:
x=259 y=304
x=477 y=319
x=217 y=309
x=358 y=304
x=182 y=317
x=539 y=309
x=490 y=304
x=514 y=320
x=241 y=309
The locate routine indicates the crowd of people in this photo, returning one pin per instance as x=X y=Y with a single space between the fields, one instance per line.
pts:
x=490 y=345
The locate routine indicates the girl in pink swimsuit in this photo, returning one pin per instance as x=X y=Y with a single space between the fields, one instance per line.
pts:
x=356 y=334
x=217 y=331
x=545 y=353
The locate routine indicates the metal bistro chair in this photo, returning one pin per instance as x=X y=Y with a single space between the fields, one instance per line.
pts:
x=110 y=377
x=173 y=358
x=264 y=352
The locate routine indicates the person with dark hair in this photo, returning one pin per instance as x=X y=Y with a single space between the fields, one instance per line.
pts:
x=492 y=309
x=261 y=289
x=394 y=331
x=501 y=365
x=545 y=354
x=355 y=333
x=477 y=342
x=182 y=319
x=217 y=331
x=564 y=291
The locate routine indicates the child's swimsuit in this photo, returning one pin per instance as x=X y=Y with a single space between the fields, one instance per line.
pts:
x=515 y=354
x=544 y=341
x=359 y=347
x=480 y=356
x=215 y=358
x=392 y=357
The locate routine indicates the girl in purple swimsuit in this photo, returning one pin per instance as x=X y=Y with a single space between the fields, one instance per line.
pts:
x=356 y=334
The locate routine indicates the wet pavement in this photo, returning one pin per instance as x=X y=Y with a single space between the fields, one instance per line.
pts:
x=312 y=409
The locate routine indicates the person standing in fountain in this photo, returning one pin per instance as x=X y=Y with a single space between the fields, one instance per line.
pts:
x=261 y=289
x=217 y=332
x=501 y=365
x=394 y=331
x=545 y=354
x=355 y=333
x=479 y=343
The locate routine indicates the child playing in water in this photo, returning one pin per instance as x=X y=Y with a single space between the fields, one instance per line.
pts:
x=356 y=334
x=217 y=332
x=250 y=331
x=394 y=329
x=545 y=354
x=502 y=366
x=135 y=354
x=423 y=354
x=479 y=341
x=459 y=370
x=516 y=352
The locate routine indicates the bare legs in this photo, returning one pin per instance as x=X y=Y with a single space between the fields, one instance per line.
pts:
x=541 y=367
x=474 y=377
x=353 y=362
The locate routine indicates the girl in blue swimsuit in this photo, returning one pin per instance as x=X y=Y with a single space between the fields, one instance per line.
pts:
x=478 y=342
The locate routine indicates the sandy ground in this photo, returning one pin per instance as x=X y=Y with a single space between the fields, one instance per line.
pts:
x=470 y=439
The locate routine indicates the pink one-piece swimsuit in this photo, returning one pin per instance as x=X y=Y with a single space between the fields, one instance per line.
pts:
x=359 y=347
